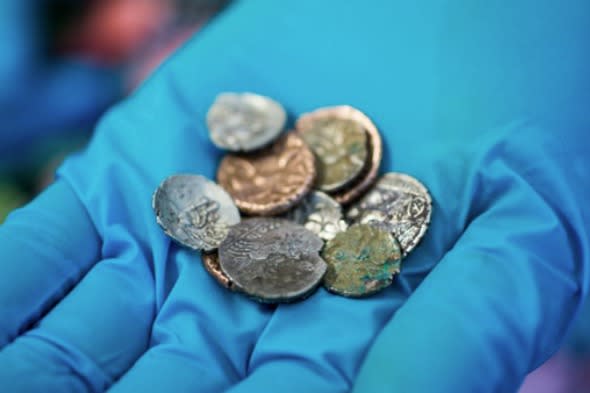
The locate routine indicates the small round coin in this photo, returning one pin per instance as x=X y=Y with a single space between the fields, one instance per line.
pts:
x=399 y=203
x=368 y=174
x=244 y=121
x=272 y=259
x=271 y=181
x=340 y=146
x=211 y=263
x=194 y=211
x=361 y=261
x=320 y=214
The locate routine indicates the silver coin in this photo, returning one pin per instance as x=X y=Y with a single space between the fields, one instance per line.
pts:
x=272 y=259
x=194 y=211
x=398 y=202
x=244 y=121
x=320 y=214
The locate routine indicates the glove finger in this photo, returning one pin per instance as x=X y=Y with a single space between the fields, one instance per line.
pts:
x=38 y=264
x=203 y=334
x=91 y=337
x=503 y=297
x=202 y=337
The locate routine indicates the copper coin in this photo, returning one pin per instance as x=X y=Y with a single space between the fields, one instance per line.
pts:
x=211 y=263
x=369 y=173
x=272 y=180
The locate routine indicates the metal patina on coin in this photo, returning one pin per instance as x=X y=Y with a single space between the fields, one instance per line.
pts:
x=272 y=259
x=244 y=121
x=361 y=261
x=194 y=211
x=340 y=146
x=211 y=263
x=374 y=148
x=399 y=203
x=320 y=214
x=272 y=181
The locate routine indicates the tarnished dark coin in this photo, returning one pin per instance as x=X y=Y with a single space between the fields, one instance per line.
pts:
x=244 y=121
x=340 y=147
x=399 y=203
x=194 y=211
x=320 y=214
x=361 y=261
x=271 y=181
x=375 y=149
x=211 y=263
x=272 y=259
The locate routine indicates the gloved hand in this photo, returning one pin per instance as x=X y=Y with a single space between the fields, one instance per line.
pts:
x=485 y=105
x=43 y=96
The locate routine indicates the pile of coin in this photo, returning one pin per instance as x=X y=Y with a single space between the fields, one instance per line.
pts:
x=292 y=210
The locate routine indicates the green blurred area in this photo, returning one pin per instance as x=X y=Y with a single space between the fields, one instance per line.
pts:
x=20 y=182
x=11 y=197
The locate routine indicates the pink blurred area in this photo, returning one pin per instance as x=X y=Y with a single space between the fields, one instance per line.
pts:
x=139 y=34
x=112 y=30
x=563 y=373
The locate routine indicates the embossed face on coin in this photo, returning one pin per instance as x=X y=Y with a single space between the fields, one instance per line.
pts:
x=194 y=211
x=272 y=181
x=367 y=176
x=320 y=214
x=399 y=203
x=361 y=261
x=244 y=122
x=340 y=146
x=272 y=259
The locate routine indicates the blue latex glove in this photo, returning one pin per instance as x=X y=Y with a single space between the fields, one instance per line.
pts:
x=484 y=104
x=43 y=97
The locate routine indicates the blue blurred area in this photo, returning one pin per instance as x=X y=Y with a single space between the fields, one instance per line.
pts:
x=44 y=95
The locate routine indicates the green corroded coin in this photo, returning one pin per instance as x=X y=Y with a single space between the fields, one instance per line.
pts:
x=340 y=146
x=361 y=261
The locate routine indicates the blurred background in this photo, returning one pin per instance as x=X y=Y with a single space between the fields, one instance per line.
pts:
x=64 y=62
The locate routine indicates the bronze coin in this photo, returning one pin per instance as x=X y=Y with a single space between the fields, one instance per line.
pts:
x=211 y=263
x=375 y=147
x=272 y=180
x=361 y=261
x=340 y=147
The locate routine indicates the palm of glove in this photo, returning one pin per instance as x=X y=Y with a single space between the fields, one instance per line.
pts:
x=148 y=316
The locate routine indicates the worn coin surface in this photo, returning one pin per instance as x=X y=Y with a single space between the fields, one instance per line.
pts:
x=244 y=121
x=211 y=263
x=320 y=214
x=340 y=146
x=272 y=259
x=399 y=203
x=375 y=148
x=271 y=181
x=194 y=211
x=361 y=261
